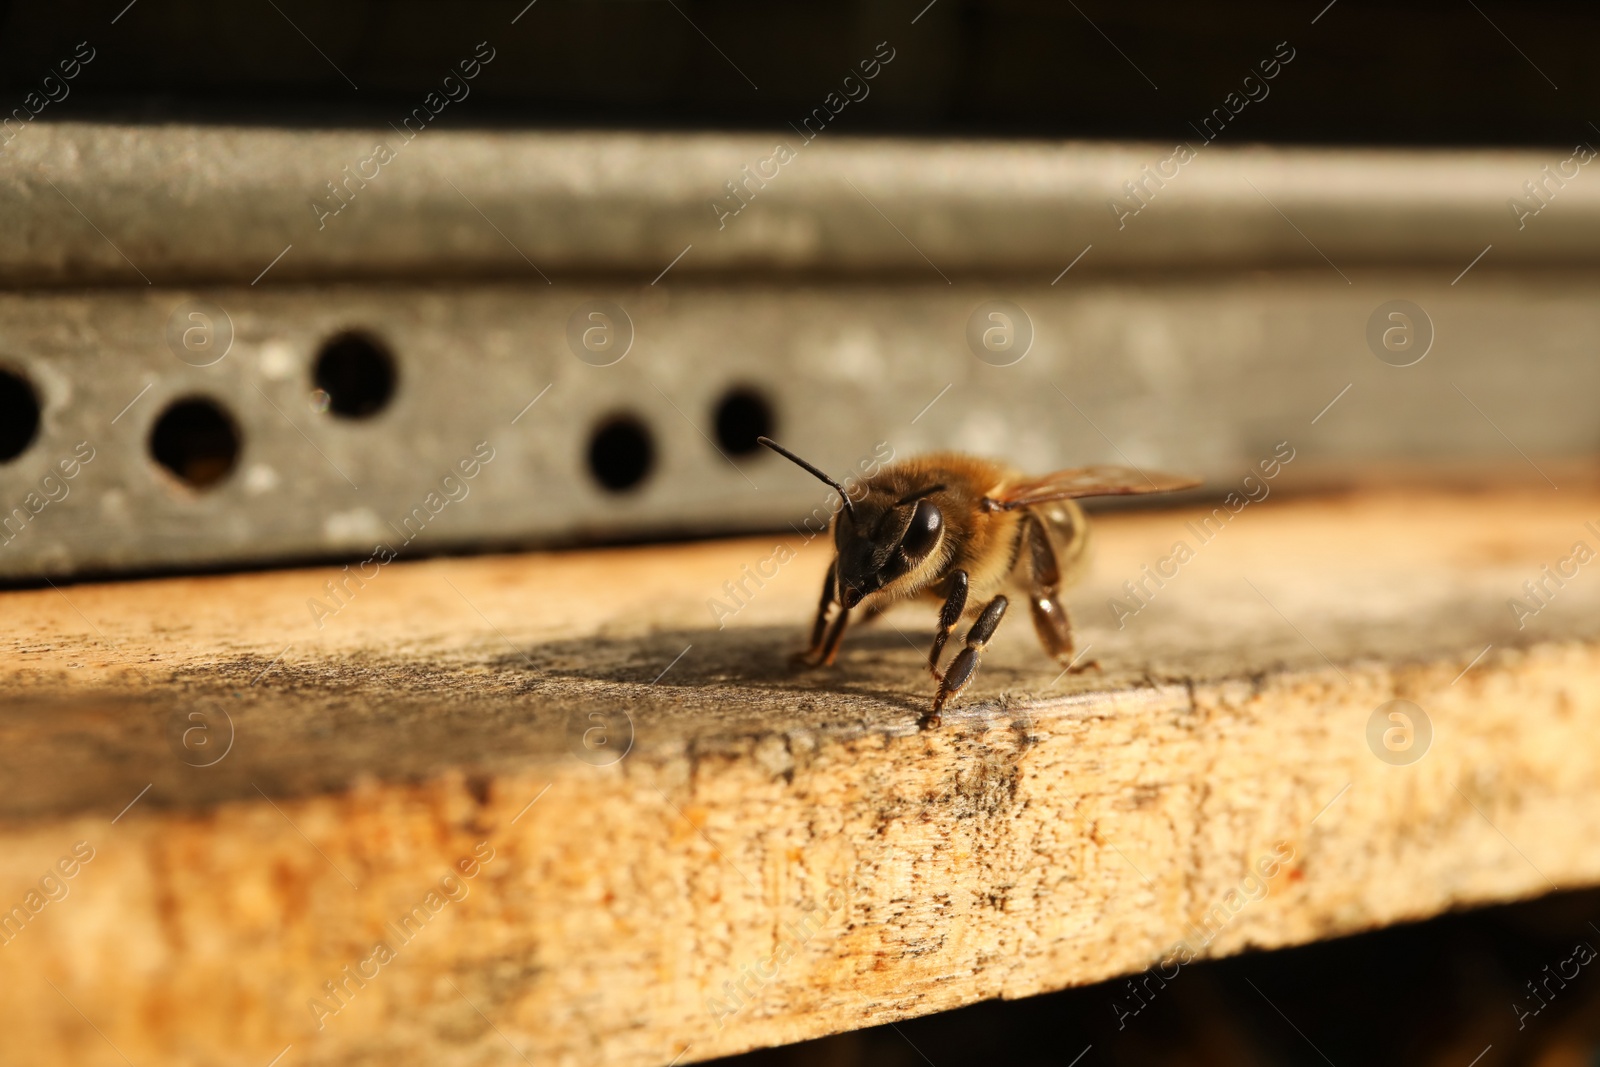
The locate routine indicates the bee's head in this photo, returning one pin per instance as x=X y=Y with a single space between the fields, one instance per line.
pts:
x=879 y=544
x=878 y=541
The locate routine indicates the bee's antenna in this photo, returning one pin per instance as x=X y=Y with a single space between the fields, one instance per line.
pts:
x=913 y=497
x=802 y=464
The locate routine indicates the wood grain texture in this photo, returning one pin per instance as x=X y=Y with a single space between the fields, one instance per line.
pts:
x=777 y=855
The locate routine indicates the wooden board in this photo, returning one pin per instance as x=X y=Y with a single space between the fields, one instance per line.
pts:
x=775 y=855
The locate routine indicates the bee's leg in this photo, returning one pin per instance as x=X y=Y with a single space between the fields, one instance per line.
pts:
x=1050 y=619
x=965 y=665
x=811 y=657
x=949 y=615
x=830 y=647
x=1054 y=627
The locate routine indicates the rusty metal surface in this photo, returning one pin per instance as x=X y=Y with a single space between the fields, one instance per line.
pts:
x=1203 y=375
x=123 y=205
x=866 y=297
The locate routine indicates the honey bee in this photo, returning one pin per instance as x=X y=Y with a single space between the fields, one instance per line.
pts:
x=955 y=529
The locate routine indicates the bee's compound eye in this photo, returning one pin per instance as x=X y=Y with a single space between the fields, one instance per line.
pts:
x=923 y=533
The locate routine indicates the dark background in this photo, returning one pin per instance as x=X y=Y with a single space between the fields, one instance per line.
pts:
x=1436 y=73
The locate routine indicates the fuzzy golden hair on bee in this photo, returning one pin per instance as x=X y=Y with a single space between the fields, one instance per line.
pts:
x=955 y=529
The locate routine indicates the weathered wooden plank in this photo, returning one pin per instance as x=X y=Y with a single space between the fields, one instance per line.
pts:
x=777 y=855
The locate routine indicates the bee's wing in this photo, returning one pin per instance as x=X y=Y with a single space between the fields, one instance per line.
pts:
x=1102 y=480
